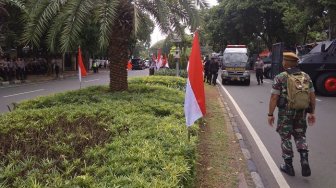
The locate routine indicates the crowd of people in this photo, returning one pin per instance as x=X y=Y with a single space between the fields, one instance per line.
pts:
x=211 y=67
x=19 y=68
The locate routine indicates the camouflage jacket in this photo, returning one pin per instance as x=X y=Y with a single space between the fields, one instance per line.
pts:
x=279 y=86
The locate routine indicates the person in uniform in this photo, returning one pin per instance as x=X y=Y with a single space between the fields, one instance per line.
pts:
x=214 y=67
x=291 y=122
x=207 y=75
x=259 y=68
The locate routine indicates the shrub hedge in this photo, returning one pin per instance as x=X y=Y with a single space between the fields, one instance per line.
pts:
x=94 y=138
x=171 y=72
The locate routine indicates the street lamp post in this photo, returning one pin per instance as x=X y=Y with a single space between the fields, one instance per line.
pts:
x=176 y=39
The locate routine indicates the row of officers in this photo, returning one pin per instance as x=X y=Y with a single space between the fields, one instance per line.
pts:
x=11 y=69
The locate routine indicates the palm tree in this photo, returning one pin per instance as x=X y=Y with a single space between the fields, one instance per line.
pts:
x=61 y=22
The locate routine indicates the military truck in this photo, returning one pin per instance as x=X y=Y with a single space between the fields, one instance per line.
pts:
x=319 y=64
x=235 y=64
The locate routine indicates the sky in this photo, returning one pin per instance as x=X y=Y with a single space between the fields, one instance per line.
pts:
x=157 y=35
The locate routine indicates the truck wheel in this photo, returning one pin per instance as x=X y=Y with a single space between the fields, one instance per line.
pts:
x=326 y=84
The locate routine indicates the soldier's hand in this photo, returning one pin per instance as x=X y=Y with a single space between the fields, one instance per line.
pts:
x=311 y=119
x=271 y=120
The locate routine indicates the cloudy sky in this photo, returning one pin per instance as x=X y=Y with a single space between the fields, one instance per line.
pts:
x=156 y=35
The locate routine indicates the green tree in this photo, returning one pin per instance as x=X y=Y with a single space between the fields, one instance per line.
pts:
x=10 y=25
x=118 y=22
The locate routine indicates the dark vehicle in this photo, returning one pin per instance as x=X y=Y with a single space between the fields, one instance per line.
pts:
x=267 y=67
x=137 y=64
x=320 y=64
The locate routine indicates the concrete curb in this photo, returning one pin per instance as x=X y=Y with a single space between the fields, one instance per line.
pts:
x=247 y=155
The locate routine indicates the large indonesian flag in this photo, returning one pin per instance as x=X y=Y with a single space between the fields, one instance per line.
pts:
x=81 y=67
x=194 y=102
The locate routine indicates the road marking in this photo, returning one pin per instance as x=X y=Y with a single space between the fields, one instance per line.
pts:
x=23 y=93
x=91 y=80
x=267 y=82
x=268 y=158
x=319 y=100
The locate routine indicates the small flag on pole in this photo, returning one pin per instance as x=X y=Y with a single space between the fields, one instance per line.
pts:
x=81 y=67
x=194 y=102
x=159 y=60
x=165 y=62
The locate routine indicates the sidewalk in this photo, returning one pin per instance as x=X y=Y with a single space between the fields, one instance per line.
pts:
x=41 y=78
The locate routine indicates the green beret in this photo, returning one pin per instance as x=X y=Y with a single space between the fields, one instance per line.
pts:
x=290 y=56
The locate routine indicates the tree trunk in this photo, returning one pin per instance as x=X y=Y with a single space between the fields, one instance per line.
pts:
x=119 y=46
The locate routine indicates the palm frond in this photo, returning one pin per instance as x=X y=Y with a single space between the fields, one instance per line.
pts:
x=202 y=4
x=158 y=10
x=16 y=3
x=54 y=32
x=32 y=33
x=78 y=11
x=106 y=14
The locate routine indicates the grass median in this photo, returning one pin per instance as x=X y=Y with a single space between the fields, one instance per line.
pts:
x=136 y=138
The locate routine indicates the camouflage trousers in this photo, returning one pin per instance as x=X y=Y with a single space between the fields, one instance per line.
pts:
x=292 y=123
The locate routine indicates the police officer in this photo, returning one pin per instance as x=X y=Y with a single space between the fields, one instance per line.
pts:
x=207 y=75
x=259 y=68
x=214 y=67
x=291 y=122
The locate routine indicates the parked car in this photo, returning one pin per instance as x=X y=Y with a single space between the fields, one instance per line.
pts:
x=137 y=64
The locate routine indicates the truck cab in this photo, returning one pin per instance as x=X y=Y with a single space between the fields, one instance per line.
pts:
x=235 y=64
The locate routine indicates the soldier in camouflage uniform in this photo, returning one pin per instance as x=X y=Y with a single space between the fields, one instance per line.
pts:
x=291 y=122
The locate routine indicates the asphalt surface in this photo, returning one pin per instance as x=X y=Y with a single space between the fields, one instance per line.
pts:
x=17 y=93
x=253 y=101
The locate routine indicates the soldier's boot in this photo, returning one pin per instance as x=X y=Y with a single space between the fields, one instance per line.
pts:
x=304 y=163
x=288 y=167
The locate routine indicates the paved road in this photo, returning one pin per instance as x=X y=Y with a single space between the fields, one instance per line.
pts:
x=16 y=93
x=253 y=101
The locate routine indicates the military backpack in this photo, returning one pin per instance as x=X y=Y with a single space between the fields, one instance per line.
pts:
x=297 y=91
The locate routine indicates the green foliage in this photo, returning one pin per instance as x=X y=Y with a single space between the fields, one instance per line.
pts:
x=243 y=22
x=93 y=138
x=171 y=72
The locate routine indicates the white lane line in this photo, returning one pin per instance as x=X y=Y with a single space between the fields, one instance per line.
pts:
x=270 y=162
x=319 y=100
x=267 y=82
x=91 y=80
x=23 y=93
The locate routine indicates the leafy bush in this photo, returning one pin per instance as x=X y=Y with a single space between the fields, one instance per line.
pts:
x=93 y=138
x=171 y=72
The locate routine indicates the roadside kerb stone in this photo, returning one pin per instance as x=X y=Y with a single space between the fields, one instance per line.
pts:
x=257 y=180
x=250 y=164
x=246 y=153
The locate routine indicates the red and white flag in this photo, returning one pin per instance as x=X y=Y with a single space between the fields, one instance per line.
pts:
x=165 y=62
x=81 y=67
x=159 y=60
x=194 y=102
